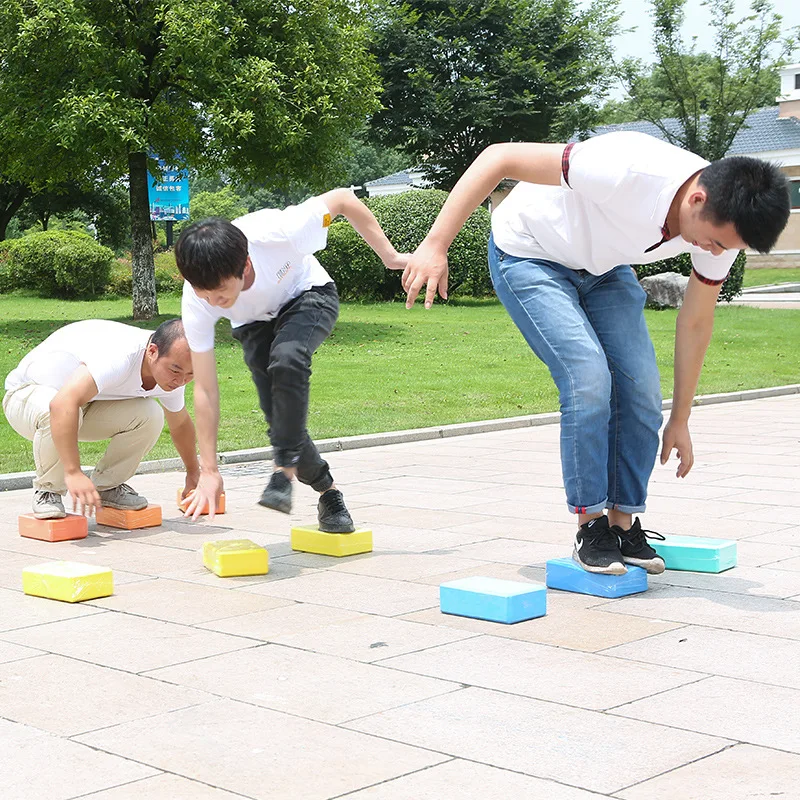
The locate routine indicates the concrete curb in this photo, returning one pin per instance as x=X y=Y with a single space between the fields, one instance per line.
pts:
x=24 y=480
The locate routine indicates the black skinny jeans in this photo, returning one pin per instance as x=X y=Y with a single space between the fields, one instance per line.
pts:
x=278 y=353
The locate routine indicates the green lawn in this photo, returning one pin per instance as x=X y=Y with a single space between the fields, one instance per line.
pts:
x=386 y=368
x=764 y=277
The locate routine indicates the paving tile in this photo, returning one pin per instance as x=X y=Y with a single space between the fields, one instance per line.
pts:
x=541 y=671
x=164 y=786
x=756 y=554
x=125 y=642
x=742 y=710
x=580 y=748
x=18 y=610
x=355 y=592
x=64 y=696
x=530 y=530
x=504 y=571
x=747 y=613
x=311 y=685
x=35 y=764
x=186 y=603
x=513 y=551
x=743 y=772
x=246 y=749
x=758 y=581
x=15 y=652
x=285 y=620
x=406 y=566
x=413 y=517
x=371 y=638
x=718 y=652
x=466 y=780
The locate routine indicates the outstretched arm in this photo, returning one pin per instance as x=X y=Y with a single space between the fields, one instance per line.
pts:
x=344 y=202
x=181 y=429
x=533 y=163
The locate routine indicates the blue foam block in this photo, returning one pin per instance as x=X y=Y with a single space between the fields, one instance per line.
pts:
x=493 y=599
x=696 y=553
x=569 y=576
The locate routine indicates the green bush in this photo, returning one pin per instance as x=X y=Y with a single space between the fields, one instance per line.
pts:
x=406 y=219
x=683 y=264
x=60 y=264
x=168 y=279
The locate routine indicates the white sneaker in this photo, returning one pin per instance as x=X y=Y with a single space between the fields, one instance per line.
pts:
x=48 y=505
x=123 y=497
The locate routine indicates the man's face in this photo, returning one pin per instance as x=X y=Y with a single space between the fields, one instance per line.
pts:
x=226 y=294
x=174 y=369
x=701 y=230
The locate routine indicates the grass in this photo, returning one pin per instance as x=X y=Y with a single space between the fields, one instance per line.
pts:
x=386 y=368
x=764 y=277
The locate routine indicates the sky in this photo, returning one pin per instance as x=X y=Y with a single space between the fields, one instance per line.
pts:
x=638 y=43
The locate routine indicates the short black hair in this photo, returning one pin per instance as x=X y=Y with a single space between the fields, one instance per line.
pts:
x=210 y=251
x=752 y=194
x=166 y=334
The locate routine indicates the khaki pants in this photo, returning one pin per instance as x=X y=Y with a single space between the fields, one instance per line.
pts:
x=133 y=426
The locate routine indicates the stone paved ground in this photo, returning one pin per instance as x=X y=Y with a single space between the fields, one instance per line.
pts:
x=332 y=678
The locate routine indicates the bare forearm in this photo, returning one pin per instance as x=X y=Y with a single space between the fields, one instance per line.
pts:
x=64 y=430
x=183 y=437
x=691 y=344
x=206 y=406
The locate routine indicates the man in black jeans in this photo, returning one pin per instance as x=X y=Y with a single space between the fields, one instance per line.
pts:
x=259 y=272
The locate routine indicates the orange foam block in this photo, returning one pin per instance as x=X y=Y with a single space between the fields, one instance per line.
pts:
x=184 y=504
x=127 y=520
x=73 y=526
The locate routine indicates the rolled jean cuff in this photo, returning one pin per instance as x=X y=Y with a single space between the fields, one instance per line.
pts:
x=323 y=484
x=626 y=509
x=587 y=509
x=285 y=458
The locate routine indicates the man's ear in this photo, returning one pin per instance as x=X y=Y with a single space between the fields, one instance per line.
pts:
x=698 y=197
x=152 y=350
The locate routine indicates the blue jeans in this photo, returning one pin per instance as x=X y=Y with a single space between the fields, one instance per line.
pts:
x=590 y=332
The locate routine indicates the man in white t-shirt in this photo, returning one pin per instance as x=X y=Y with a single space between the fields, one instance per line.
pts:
x=559 y=253
x=260 y=273
x=96 y=380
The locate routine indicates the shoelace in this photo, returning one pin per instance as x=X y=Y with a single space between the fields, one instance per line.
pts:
x=50 y=497
x=640 y=536
x=125 y=489
x=334 y=502
x=605 y=539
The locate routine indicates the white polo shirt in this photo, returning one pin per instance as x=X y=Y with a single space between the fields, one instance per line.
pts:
x=281 y=246
x=610 y=209
x=112 y=352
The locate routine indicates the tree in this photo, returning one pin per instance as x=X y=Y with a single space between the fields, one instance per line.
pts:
x=707 y=95
x=462 y=74
x=253 y=87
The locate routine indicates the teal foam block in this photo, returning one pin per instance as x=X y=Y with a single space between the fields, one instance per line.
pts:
x=493 y=599
x=569 y=576
x=695 y=553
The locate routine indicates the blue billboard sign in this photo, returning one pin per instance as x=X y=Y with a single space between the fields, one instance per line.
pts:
x=169 y=197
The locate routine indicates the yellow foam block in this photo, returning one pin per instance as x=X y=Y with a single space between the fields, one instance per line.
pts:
x=310 y=539
x=234 y=557
x=68 y=581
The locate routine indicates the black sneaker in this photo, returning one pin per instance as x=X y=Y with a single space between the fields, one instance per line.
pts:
x=635 y=549
x=597 y=548
x=278 y=493
x=333 y=514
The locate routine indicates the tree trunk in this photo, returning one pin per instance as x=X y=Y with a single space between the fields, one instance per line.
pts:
x=145 y=304
x=12 y=196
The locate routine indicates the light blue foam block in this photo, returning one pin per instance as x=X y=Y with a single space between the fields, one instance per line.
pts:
x=696 y=553
x=569 y=576
x=493 y=599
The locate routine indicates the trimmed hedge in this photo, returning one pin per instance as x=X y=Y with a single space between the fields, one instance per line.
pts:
x=168 y=279
x=58 y=264
x=406 y=219
x=683 y=264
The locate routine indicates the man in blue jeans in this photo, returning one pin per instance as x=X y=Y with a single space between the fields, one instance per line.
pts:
x=559 y=255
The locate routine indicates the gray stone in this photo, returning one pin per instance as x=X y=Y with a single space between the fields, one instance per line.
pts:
x=665 y=290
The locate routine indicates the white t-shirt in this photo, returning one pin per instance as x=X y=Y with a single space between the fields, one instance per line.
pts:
x=112 y=352
x=610 y=208
x=281 y=246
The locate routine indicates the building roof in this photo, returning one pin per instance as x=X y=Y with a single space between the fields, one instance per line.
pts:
x=403 y=178
x=763 y=132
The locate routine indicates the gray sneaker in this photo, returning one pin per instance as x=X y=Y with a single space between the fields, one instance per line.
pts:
x=122 y=497
x=48 y=505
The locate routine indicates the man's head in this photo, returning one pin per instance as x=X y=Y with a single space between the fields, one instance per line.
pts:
x=168 y=357
x=736 y=202
x=212 y=256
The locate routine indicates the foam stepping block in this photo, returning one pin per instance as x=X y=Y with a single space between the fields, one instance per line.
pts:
x=695 y=553
x=310 y=539
x=183 y=504
x=73 y=526
x=493 y=599
x=235 y=557
x=68 y=581
x=128 y=520
x=569 y=576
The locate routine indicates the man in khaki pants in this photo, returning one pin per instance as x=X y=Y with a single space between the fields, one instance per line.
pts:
x=96 y=380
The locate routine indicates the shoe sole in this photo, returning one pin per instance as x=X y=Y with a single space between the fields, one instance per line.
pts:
x=49 y=515
x=283 y=508
x=338 y=530
x=653 y=566
x=615 y=568
x=124 y=508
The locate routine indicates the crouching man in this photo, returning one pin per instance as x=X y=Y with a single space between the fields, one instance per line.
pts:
x=96 y=380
